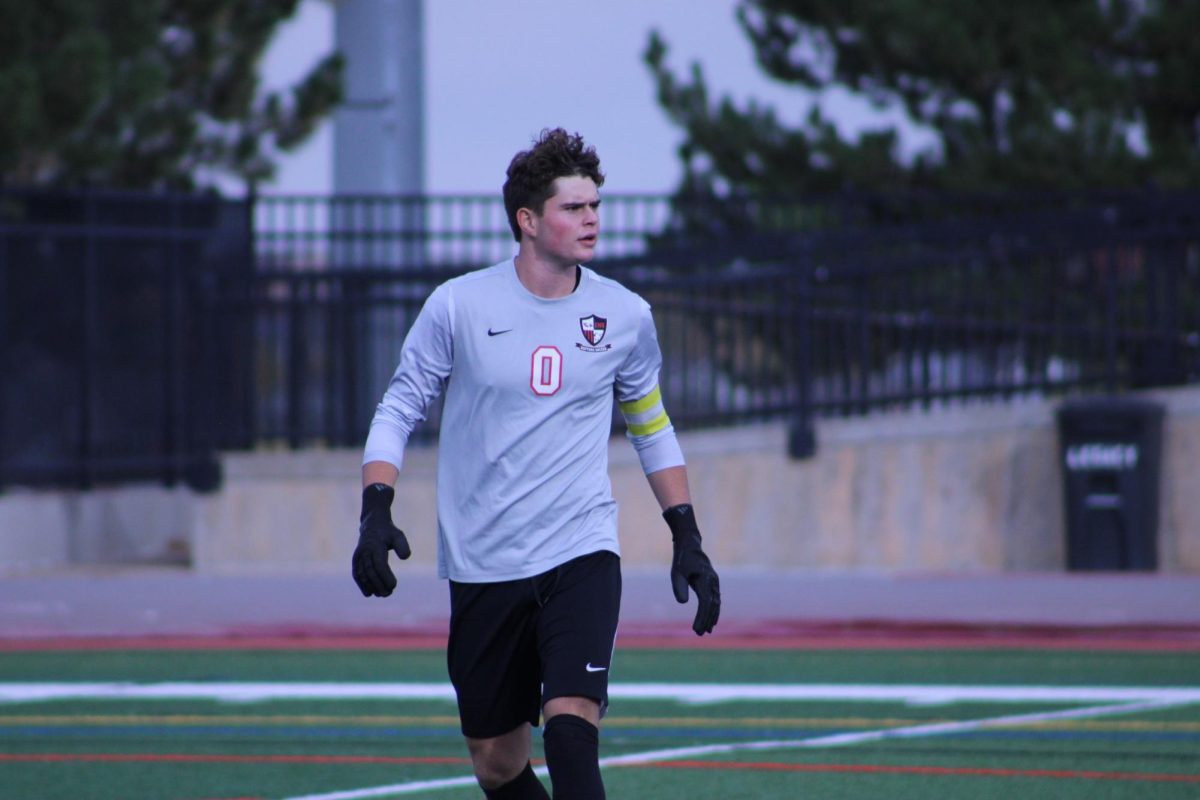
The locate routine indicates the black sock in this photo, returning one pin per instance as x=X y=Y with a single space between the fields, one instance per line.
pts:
x=525 y=786
x=572 y=747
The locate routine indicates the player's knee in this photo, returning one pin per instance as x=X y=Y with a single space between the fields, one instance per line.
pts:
x=584 y=707
x=492 y=771
x=497 y=761
x=571 y=731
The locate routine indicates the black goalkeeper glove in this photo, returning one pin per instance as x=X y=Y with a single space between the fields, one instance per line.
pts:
x=690 y=567
x=377 y=535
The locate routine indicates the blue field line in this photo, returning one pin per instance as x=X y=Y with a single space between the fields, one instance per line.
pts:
x=1112 y=736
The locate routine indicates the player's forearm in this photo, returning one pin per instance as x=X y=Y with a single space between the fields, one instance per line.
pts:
x=379 y=472
x=670 y=486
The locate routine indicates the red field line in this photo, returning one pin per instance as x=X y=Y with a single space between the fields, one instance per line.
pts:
x=185 y=758
x=754 y=766
x=398 y=641
x=983 y=772
x=889 y=634
x=902 y=642
x=761 y=635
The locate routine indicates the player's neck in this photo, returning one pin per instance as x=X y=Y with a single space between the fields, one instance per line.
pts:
x=546 y=279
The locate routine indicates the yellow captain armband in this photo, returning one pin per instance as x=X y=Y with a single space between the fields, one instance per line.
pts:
x=645 y=416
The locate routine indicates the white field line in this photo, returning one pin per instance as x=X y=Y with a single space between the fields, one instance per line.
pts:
x=834 y=740
x=224 y=692
x=400 y=788
x=907 y=732
x=692 y=693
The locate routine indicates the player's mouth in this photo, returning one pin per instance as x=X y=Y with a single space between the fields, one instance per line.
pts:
x=590 y=239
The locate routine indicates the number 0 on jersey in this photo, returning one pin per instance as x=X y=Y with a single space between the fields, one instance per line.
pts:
x=546 y=370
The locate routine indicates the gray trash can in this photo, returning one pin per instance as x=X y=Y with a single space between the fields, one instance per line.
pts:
x=1111 y=448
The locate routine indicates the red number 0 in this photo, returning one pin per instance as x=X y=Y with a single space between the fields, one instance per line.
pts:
x=545 y=376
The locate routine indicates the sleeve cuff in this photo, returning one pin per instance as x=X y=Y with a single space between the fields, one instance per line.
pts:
x=659 y=451
x=385 y=443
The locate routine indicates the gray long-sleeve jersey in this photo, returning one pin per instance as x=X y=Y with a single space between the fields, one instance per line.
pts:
x=523 y=448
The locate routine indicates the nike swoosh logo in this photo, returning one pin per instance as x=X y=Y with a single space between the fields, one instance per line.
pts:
x=590 y=668
x=497 y=333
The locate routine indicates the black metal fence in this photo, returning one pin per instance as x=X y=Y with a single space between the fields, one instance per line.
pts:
x=173 y=332
x=110 y=356
x=765 y=310
x=423 y=231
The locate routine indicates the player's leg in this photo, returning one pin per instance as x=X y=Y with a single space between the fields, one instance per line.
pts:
x=493 y=664
x=571 y=739
x=501 y=765
x=583 y=707
x=576 y=632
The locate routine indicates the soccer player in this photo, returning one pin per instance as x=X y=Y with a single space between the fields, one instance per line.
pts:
x=528 y=352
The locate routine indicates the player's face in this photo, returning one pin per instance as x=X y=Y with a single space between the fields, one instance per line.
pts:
x=567 y=228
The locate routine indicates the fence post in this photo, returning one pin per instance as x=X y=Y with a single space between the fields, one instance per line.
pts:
x=802 y=437
x=237 y=299
x=202 y=469
x=352 y=296
x=5 y=355
x=1159 y=360
x=1112 y=298
x=296 y=361
x=85 y=469
x=174 y=361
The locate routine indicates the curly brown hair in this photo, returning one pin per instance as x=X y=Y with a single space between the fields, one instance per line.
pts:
x=531 y=173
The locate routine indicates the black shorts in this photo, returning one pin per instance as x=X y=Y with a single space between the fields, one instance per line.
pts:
x=516 y=644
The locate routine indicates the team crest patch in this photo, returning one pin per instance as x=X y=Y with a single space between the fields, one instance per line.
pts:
x=593 y=329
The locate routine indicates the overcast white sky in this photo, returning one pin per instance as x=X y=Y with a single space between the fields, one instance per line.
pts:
x=499 y=72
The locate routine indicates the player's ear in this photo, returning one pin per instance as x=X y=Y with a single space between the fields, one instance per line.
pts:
x=527 y=221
